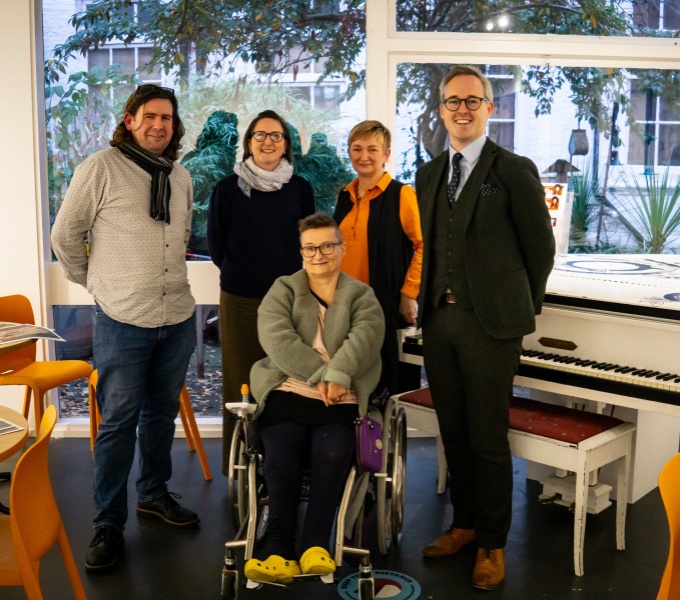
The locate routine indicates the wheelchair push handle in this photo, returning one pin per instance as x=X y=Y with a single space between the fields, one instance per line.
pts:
x=243 y=408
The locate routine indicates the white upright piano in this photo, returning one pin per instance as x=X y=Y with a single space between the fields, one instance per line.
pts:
x=609 y=338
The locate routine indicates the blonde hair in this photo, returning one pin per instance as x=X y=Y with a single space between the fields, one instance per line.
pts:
x=367 y=129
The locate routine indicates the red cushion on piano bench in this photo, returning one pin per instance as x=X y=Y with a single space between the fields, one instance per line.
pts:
x=557 y=422
x=421 y=397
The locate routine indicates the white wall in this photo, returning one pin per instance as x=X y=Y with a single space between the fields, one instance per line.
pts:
x=21 y=245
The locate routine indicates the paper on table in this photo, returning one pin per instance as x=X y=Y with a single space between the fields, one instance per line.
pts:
x=10 y=333
x=7 y=427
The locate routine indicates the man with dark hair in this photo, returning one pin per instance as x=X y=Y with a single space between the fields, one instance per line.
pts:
x=122 y=233
x=488 y=251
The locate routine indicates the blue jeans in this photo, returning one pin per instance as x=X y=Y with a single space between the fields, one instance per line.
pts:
x=141 y=374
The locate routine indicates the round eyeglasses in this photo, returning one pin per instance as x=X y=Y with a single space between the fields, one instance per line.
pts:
x=261 y=136
x=472 y=103
x=325 y=249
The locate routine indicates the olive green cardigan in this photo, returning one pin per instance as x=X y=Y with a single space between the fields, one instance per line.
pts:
x=288 y=322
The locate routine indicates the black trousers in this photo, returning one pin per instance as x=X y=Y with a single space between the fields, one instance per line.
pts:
x=470 y=376
x=288 y=448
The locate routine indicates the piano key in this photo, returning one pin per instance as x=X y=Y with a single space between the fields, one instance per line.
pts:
x=616 y=374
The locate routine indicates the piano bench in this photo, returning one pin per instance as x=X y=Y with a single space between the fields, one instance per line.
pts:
x=562 y=437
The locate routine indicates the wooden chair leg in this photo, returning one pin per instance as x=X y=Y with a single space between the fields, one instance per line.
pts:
x=186 y=415
x=191 y=431
x=27 y=402
x=188 y=433
x=95 y=417
x=38 y=408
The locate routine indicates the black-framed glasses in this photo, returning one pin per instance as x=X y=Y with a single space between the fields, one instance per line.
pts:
x=325 y=249
x=472 y=103
x=261 y=136
x=145 y=88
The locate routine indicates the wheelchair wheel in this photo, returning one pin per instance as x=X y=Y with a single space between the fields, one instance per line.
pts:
x=390 y=486
x=366 y=589
x=230 y=585
x=238 y=480
x=398 y=476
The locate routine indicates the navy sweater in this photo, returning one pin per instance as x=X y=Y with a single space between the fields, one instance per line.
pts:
x=255 y=240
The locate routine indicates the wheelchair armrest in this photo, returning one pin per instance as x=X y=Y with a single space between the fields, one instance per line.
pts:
x=241 y=409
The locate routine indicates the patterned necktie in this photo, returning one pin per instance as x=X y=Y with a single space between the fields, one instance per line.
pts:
x=455 y=178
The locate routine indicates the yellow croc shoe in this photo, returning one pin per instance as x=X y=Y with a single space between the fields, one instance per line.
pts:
x=317 y=561
x=274 y=569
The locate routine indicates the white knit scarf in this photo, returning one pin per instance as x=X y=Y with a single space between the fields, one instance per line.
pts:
x=251 y=176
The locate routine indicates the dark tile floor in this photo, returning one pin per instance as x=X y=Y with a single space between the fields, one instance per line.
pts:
x=165 y=563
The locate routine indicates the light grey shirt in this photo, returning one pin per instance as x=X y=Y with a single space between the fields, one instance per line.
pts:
x=471 y=154
x=136 y=269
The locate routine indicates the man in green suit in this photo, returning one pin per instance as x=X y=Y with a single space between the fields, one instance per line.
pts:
x=488 y=251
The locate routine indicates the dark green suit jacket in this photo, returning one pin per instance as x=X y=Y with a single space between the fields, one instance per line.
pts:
x=509 y=246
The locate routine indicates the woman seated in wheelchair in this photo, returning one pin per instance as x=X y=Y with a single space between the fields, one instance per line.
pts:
x=322 y=331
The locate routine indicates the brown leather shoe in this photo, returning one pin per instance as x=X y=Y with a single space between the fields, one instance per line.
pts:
x=489 y=568
x=450 y=542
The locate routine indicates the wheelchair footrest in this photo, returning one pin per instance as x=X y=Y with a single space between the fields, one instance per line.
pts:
x=327 y=579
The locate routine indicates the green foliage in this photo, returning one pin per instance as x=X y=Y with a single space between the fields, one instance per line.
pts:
x=222 y=33
x=78 y=119
x=212 y=160
x=203 y=96
x=655 y=210
x=584 y=209
x=325 y=171
x=593 y=89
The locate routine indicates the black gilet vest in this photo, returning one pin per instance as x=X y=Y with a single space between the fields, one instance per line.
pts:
x=390 y=251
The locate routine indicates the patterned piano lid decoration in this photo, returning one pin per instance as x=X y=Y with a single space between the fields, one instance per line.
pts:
x=628 y=279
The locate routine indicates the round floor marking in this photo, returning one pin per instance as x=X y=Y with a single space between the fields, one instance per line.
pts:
x=387 y=584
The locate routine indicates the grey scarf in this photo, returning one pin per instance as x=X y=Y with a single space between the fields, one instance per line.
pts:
x=159 y=168
x=251 y=176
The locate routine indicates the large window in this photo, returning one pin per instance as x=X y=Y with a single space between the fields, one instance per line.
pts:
x=227 y=61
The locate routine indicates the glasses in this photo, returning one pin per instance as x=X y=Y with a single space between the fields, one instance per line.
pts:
x=472 y=103
x=261 y=136
x=152 y=87
x=325 y=249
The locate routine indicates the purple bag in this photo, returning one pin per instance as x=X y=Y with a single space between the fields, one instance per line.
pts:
x=369 y=444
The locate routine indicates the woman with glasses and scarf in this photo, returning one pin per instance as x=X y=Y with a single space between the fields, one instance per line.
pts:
x=322 y=331
x=252 y=237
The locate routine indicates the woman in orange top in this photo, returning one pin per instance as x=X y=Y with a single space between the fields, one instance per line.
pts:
x=380 y=223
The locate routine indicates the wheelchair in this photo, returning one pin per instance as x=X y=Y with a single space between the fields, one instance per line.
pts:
x=379 y=495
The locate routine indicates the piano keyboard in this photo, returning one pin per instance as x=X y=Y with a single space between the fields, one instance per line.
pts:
x=603 y=370
x=625 y=380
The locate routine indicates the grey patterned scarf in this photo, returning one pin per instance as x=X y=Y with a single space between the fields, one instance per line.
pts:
x=159 y=168
x=251 y=176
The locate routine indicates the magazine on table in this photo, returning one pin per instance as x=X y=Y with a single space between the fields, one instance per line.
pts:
x=7 y=427
x=11 y=333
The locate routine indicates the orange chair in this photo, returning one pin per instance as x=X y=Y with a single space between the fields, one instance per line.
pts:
x=186 y=414
x=669 y=486
x=21 y=368
x=35 y=525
